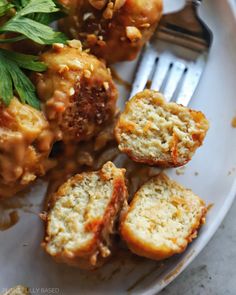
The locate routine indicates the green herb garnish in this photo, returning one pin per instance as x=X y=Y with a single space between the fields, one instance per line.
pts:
x=27 y=19
x=12 y=77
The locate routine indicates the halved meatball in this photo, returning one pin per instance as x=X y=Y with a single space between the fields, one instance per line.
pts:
x=25 y=143
x=163 y=218
x=82 y=217
x=159 y=133
x=77 y=91
x=114 y=30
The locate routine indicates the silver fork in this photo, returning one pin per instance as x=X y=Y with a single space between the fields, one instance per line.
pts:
x=174 y=59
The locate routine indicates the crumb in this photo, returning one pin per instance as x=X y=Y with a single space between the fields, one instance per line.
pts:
x=25 y=244
x=209 y=207
x=231 y=171
x=196 y=173
x=180 y=171
x=233 y=122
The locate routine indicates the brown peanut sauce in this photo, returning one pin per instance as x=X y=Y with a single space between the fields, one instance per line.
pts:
x=67 y=160
x=127 y=85
x=11 y=208
x=91 y=156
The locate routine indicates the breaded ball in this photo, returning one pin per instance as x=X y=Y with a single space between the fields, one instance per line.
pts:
x=155 y=132
x=114 y=30
x=80 y=224
x=162 y=219
x=77 y=91
x=25 y=143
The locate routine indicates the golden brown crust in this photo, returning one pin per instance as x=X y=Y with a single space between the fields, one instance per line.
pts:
x=91 y=255
x=77 y=91
x=152 y=161
x=170 y=158
x=143 y=247
x=114 y=30
x=25 y=143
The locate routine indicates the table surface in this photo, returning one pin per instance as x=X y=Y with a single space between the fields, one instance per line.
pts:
x=213 y=272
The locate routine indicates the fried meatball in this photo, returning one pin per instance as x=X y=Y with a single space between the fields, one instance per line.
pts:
x=77 y=91
x=153 y=131
x=25 y=143
x=114 y=30
x=163 y=218
x=81 y=221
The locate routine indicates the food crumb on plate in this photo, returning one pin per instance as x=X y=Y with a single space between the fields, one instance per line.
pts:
x=210 y=206
x=231 y=171
x=233 y=122
x=180 y=171
x=8 y=219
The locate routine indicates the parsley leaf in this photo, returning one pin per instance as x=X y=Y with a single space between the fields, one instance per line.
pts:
x=33 y=6
x=32 y=29
x=6 y=91
x=11 y=76
x=18 y=4
x=43 y=18
x=25 y=61
x=24 y=87
x=30 y=21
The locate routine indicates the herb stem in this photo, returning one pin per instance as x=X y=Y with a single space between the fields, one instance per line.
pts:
x=12 y=40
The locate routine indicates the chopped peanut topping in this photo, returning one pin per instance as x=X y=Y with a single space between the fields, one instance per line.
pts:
x=133 y=33
x=108 y=13
x=98 y=4
x=119 y=4
x=57 y=46
x=106 y=85
x=87 y=74
x=75 y=44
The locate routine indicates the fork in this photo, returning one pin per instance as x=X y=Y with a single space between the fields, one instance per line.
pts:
x=174 y=60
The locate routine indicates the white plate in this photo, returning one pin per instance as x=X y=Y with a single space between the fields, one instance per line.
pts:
x=22 y=261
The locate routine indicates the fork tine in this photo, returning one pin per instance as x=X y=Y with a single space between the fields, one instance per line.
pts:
x=176 y=73
x=147 y=61
x=161 y=71
x=191 y=80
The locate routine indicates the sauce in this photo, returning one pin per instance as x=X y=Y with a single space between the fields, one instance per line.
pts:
x=80 y=157
x=120 y=81
x=8 y=220
x=25 y=142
